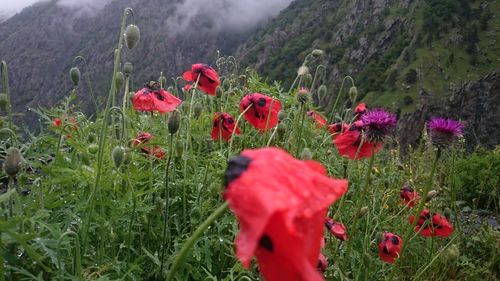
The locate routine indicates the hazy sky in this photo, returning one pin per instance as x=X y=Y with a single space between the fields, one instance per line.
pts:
x=10 y=7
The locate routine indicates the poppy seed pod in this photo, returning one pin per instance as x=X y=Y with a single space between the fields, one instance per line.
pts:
x=281 y=130
x=4 y=101
x=195 y=214
x=128 y=68
x=118 y=155
x=132 y=35
x=353 y=94
x=174 y=122
x=303 y=70
x=93 y=148
x=308 y=78
x=431 y=195
x=281 y=115
x=179 y=148
x=74 y=74
x=322 y=90
x=12 y=163
x=367 y=260
x=306 y=154
x=303 y=95
x=453 y=252
x=163 y=80
x=219 y=91
x=119 y=80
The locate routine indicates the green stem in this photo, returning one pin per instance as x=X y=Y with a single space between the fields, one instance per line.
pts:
x=338 y=96
x=194 y=237
x=4 y=70
x=234 y=131
x=299 y=132
x=167 y=195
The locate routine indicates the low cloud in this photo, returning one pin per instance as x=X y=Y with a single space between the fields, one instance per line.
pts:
x=225 y=14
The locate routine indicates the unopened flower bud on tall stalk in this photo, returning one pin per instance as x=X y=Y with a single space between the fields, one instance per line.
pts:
x=197 y=110
x=132 y=35
x=4 y=101
x=306 y=154
x=74 y=74
x=12 y=163
x=308 y=80
x=322 y=92
x=303 y=70
x=162 y=80
x=353 y=94
x=174 y=122
x=303 y=95
x=127 y=69
x=226 y=84
x=317 y=53
x=119 y=80
x=118 y=155
x=219 y=91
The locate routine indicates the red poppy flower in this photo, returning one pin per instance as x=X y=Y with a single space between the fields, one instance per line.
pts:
x=263 y=113
x=336 y=129
x=224 y=125
x=409 y=196
x=322 y=263
x=389 y=247
x=187 y=87
x=208 y=77
x=144 y=138
x=281 y=204
x=153 y=98
x=437 y=226
x=320 y=120
x=57 y=122
x=360 y=109
x=350 y=143
x=336 y=228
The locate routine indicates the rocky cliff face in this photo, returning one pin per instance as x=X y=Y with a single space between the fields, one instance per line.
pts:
x=475 y=103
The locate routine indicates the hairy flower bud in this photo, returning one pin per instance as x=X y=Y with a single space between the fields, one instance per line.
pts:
x=128 y=68
x=317 y=52
x=281 y=115
x=132 y=35
x=353 y=94
x=226 y=84
x=12 y=163
x=453 y=252
x=303 y=70
x=303 y=95
x=119 y=80
x=322 y=91
x=197 y=110
x=431 y=195
x=447 y=213
x=118 y=155
x=163 y=81
x=306 y=154
x=281 y=130
x=174 y=122
x=219 y=91
x=308 y=79
x=93 y=148
x=363 y=211
x=4 y=101
x=74 y=74
x=179 y=148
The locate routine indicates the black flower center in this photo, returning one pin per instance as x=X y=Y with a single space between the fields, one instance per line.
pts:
x=261 y=102
x=394 y=240
x=159 y=96
x=266 y=243
x=236 y=166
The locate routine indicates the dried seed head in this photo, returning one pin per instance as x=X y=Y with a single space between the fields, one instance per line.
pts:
x=128 y=68
x=174 y=121
x=119 y=80
x=12 y=163
x=74 y=74
x=132 y=35
x=118 y=155
x=306 y=154
x=4 y=101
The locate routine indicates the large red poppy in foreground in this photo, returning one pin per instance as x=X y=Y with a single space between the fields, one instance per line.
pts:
x=224 y=125
x=263 y=111
x=153 y=98
x=281 y=204
x=207 y=77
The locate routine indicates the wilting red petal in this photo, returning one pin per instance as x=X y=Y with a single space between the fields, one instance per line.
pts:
x=141 y=138
x=349 y=142
x=281 y=204
x=360 y=109
x=389 y=247
x=263 y=114
x=337 y=229
x=155 y=151
x=320 y=120
x=224 y=125
x=410 y=196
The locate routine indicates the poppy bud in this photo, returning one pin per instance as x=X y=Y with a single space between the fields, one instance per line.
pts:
x=306 y=154
x=322 y=90
x=281 y=130
x=4 y=101
x=118 y=155
x=303 y=70
x=179 y=148
x=174 y=122
x=163 y=80
x=226 y=84
x=91 y=138
x=363 y=211
x=317 y=53
x=119 y=80
x=159 y=204
x=219 y=91
x=303 y=95
x=93 y=148
x=195 y=215
x=12 y=163
x=197 y=110
x=353 y=94
x=281 y=115
x=308 y=79
x=128 y=68
x=453 y=252
x=74 y=73
x=447 y=213
x=132 y=35
x=431 y=195
x=367 y=260
x=85 y=158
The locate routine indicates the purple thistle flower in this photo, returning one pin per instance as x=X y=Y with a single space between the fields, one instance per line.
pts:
x=377 y=123
x=444 y=132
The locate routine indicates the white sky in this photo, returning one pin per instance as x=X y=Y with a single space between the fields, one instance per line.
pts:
x=10 y=7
